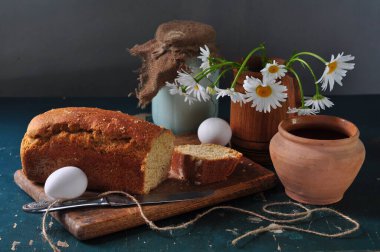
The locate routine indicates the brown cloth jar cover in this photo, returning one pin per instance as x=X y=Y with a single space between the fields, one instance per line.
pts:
x=164 y=55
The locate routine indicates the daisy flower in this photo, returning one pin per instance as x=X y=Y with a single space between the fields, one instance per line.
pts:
x=198 y=91
x=210 y=90
x=205 y=54
x=273 y=71
x=185 y=79
x=189 y=99
x=302 y=111
x=174 y=88
x=335 y=70
x=318 y=102
x=234 y=96
x=192 y=86
x=264 y=97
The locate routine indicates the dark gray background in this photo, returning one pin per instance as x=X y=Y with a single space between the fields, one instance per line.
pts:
x=78 y=48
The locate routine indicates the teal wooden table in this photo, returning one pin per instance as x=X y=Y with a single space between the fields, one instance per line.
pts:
x=214 y=232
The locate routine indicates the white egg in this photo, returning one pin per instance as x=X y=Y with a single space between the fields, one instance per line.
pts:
x=66 y=183
x=214 y=130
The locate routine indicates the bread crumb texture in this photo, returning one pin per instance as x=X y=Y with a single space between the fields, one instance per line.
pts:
x=62 y=244
x=14 y=245
x=157 y=162
x=208 y=151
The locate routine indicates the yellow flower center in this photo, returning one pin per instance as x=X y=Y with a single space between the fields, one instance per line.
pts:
x=196 y=87
x=210 y=90
x=273 y=69
x=332 y=66
x=263 y=91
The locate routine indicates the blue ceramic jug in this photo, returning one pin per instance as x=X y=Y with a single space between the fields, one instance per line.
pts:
x=172 y=112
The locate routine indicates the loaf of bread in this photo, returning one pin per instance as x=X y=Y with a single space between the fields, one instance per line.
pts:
x=116 y=151
x=204 y=163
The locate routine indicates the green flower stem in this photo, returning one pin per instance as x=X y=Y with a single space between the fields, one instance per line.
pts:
x=307 y=53
x=242 y=67
x=299 y=84
x=220 y=76
x=264 y=58
x=303 y=62
x=224 y=61
x=204 y=73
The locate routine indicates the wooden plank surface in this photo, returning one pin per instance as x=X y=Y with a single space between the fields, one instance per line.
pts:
x=87 y=223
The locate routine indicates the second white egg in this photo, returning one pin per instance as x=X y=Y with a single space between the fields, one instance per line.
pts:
x=214 y=130
x=66 y=183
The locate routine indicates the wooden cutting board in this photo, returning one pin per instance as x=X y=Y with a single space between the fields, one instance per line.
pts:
x=86 y=223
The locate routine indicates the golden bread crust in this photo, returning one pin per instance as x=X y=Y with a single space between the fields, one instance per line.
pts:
x=109 y=146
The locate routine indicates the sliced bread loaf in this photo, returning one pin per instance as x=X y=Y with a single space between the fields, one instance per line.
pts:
x=115 y=150
x=204 y=163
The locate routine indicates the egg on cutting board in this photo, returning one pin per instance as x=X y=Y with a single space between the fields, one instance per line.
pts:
x=214 y=130
x=66 y=183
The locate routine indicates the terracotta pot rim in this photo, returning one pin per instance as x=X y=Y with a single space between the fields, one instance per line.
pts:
x=325 y=121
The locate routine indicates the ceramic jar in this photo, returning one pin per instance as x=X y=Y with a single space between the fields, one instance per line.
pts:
x=172 y=112
x=317 y=157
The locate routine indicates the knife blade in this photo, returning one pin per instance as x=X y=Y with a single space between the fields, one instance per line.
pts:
x=113 y=200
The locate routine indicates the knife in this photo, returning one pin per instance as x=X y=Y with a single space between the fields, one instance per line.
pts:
x=113 y=200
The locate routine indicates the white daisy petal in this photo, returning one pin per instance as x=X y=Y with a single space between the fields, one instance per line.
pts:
x=174 y=88
x=273 y=71
x=198 y=91
x=185 y=79
x=189 y=99
x=335 y=70
x=192 y=87
x=250 y=83
x=204 y=57
x=234 y=96
x=264 y=97
x=318 y=102
x=302 y=111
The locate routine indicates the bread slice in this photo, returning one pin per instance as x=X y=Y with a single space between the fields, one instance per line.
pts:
x=204 y=163
x=115 y=150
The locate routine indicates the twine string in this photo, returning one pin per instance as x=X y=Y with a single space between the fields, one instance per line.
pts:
x=276 y=224
x=44 y=229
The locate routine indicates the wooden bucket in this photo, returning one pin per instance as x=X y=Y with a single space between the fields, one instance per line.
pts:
x=253 y=130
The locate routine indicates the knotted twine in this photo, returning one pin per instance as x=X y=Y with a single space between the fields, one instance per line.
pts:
x=174 y=43
x=276 y=224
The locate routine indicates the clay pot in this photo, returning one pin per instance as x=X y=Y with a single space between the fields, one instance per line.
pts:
x=252 y=130
x=317 y=157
